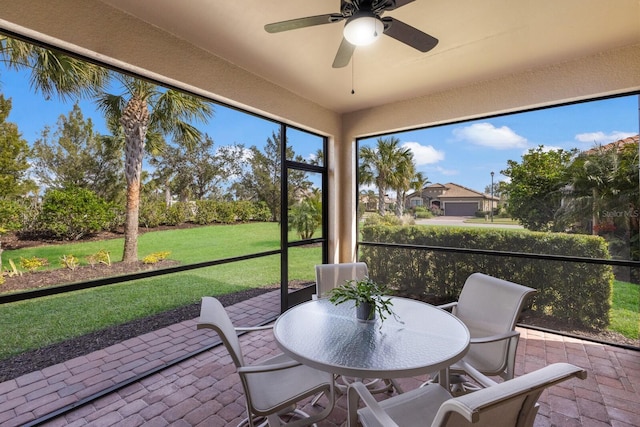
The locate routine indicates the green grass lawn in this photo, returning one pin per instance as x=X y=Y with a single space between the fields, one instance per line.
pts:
x=186 y=245
x=625 y=309
x=36 y=323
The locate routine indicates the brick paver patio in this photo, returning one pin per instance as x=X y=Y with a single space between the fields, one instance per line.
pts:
x=204 y=390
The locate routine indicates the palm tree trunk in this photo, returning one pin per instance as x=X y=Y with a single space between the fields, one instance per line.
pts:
x=381 y=201
x=135 y=119
x=167 y=194
x=131 y=223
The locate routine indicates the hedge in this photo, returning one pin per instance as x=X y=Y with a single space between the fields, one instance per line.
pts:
x=576 y=293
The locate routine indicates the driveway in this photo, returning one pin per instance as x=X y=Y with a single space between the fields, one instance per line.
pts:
x=459 y=221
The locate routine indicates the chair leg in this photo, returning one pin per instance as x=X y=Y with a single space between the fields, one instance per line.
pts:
x=371 y=384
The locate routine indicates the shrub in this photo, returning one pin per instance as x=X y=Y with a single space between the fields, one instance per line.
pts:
x=72 y=213
x=155 y=257
x=244 y=210
x=421 y=212
x=12 y=214
x=225 y=212
x=261 y=212
x=152 y=213
x=33 y=263
x=577 y=293
x=205 y=212
x=69 y=261
x=100 y=257
x=178 y=213
x=388 y=219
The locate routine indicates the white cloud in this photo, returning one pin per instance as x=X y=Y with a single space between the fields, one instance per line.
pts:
x=424 y=154
x=487 y=135
x=447 y=172
x=602 y=138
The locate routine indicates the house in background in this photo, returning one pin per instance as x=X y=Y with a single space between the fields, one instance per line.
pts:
x=452 y=199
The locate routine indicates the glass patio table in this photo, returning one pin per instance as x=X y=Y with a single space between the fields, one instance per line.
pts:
x=419 y=339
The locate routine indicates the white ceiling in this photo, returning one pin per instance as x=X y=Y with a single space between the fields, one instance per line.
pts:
x=479 y=40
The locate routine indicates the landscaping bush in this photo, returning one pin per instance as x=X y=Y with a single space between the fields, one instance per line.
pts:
x=244 y=210
x=72 y=213
x=205 y=212
x=178 y=213
x=421 y=212
x=577 y=293
x=261 y=212
x=152 y=213
x=12 y=214
x=225 y=212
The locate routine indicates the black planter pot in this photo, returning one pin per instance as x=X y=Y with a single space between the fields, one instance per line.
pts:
x=365 y=312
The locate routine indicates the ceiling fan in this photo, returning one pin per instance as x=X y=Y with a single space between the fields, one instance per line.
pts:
x=364 y=25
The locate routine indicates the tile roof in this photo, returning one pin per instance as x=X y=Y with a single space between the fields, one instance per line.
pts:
x=616 y=144
x=455 y=190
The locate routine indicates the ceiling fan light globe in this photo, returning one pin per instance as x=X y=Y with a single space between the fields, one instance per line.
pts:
x=363 y=29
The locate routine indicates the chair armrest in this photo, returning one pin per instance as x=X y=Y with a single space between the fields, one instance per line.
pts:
x=448 y=306
x=252 y=328
x=358 y=389
x=252 y=369
x=493 y=338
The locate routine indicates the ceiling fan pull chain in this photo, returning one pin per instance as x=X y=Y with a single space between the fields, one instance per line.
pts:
x=353 y=60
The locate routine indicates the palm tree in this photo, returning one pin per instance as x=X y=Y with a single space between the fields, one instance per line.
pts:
x=147 y=112
x=379 y=166
x=404 y=173
x=52 y=73
x=141 y=115
x=418 y=182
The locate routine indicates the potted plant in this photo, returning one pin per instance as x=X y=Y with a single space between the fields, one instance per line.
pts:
x=368 y=296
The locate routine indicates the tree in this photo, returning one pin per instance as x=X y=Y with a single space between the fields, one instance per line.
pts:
x=197 y=172
x=369 y=198
x=264 y=180
x=52 y=73
x=402 y=177
x=306 y=215
x=75 y=156
x=383 y=166
x=604 y=197
x=418 y=182
x=146 y=113
x=14 y=153
x=537 y=186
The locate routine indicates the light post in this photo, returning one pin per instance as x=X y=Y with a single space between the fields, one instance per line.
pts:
x=491 y=203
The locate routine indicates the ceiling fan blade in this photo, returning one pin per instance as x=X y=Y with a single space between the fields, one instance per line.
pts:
x=395 y=4
x=343 y=56
x=309 y=21
x=409 y=35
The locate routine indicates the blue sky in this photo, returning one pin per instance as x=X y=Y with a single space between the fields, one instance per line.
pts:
x=466 y=153
x=463 y=153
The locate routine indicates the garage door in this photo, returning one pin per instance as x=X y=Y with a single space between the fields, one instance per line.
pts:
x=460 y=208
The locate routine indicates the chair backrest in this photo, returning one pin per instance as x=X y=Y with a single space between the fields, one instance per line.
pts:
x=214 y=316
x=328 y=276
x=491 y=306
x=508 y=404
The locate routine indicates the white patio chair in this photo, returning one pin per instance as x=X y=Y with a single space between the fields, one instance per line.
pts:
x=329 y=276
x=490 y=308
x=272 y=388
x=511 y=403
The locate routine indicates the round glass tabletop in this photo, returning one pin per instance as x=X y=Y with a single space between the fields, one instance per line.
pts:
x=419 y=339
